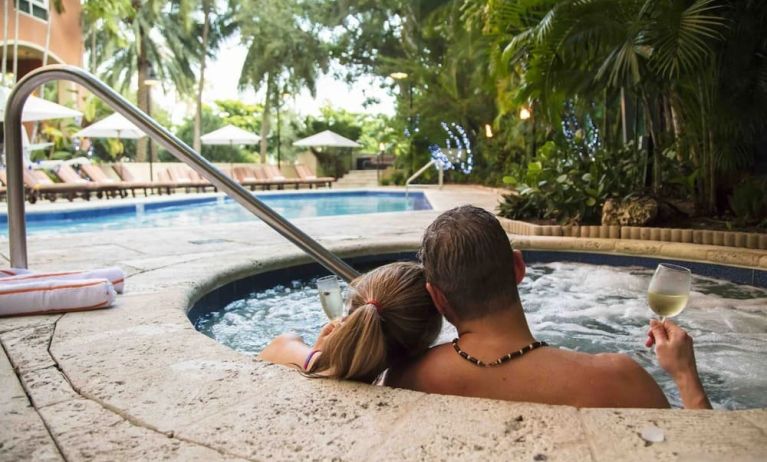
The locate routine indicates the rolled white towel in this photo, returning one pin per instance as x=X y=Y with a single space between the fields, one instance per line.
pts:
x=55 y=295
x=5 y=273
x=113 y=274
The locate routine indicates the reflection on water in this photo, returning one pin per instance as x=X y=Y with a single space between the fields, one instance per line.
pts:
x=581 y=307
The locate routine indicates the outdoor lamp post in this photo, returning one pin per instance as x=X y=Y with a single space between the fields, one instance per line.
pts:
x=402 y=76
x=279 y=138
x=151 y=81
x=381 y=148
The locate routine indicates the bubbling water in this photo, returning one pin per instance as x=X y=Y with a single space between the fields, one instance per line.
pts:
x=570 y=305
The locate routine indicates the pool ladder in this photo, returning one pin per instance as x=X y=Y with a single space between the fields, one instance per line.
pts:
x=13 y=147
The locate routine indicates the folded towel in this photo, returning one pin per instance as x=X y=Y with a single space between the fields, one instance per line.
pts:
x=41 y=296
x=113 y=274
x=4 y=273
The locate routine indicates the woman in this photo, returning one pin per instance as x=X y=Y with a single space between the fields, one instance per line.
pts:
x=391 y=318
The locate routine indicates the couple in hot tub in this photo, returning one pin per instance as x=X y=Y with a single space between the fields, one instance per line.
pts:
x=469 y=275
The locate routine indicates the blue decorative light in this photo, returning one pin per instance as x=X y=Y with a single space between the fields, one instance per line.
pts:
x=457 y=154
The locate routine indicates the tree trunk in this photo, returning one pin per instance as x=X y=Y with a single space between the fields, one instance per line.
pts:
x=93 y=52
x=198 y=112
x=654 y=142
x=265 y=117
x=5 y=41
x=16 y=47
x=624 y=121
x=142 y=96
x=711 y=199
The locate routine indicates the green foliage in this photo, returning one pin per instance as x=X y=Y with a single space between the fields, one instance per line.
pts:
x=749 y=201
x=567 y=187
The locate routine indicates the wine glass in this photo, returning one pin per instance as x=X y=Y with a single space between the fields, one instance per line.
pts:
x=330 y=296
x=669 y=290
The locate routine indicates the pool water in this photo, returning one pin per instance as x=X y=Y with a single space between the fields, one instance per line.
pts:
x=218 y=210
x=582 y=307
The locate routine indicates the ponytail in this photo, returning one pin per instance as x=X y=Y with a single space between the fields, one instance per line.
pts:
x=391 y=317
x=357 y=348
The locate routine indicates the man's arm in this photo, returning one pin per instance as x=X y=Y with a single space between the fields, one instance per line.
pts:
x=626 y=384
x=676 y=356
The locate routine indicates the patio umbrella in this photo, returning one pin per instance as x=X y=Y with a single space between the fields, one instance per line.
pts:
x=230 y=135
x=327 y=139
x=37 y=108
x=114 y=126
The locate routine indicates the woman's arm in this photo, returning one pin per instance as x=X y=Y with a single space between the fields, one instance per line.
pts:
x=287 y=349
x=290 y=349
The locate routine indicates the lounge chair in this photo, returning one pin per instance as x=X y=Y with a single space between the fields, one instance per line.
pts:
x=37 y=185
x=127 y=177
x=250 y=177
x=306 y=175
x=187 y=178
x=69 y=176
x=274 y=174
x=98 y=176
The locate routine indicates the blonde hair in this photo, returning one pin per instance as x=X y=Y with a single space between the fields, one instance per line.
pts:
x=371 y=338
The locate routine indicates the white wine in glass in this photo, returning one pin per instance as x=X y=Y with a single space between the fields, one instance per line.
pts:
x=669 y=290
x=330 y=296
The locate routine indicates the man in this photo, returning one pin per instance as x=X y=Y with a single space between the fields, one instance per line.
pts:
x=472 y=275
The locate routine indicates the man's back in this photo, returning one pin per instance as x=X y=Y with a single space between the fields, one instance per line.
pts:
x=545 y=375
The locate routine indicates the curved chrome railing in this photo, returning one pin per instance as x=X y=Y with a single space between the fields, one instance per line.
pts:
x=13 y=148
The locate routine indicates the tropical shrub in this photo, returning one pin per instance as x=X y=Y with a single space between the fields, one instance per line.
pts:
x=564 y=185
x=749 y=202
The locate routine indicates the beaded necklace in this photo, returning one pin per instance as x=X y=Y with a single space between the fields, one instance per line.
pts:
x=505 y=358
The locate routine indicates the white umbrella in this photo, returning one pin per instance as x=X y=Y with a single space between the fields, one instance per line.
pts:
x=327 y=139
x=37 y=108
x=114 y=126
x=230 y=135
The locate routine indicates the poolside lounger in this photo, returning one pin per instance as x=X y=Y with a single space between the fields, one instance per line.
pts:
x=250 y=177
x=310 y=178
x=98 y=176
x=68 y=175
x=127 y=177
x=274 y=174
x=187 y=178
x=38 y=185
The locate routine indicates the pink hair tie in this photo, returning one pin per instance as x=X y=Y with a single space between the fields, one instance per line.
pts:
x=376 y=304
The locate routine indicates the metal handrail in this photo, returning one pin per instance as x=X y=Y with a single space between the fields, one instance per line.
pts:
x=13 y=148
x=415 y=175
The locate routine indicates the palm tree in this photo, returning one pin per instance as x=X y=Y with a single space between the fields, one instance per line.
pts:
x=651 y=49
x=284 y=54
x=152 y=34
x=214 y=29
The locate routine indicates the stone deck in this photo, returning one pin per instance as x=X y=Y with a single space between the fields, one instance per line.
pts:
x=137 y=382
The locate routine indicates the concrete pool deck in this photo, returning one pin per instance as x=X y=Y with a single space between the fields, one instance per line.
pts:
x=137 y=382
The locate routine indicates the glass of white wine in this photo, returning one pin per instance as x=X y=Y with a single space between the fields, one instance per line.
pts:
x=669 y=290
x=330 y=296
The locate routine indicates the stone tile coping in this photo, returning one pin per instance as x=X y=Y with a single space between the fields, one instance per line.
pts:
x=686 y=236
x=137 y=382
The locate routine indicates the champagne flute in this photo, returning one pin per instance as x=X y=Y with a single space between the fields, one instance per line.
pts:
x=330 y=296
x=669 y=290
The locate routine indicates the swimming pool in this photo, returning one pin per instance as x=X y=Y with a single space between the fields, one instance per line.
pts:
x=585 y=307
x=215 y=209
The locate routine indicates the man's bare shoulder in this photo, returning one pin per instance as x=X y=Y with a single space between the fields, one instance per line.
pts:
x=422 y=373
x=558 y=376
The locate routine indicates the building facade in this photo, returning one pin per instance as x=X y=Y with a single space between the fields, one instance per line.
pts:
x=32 y=29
